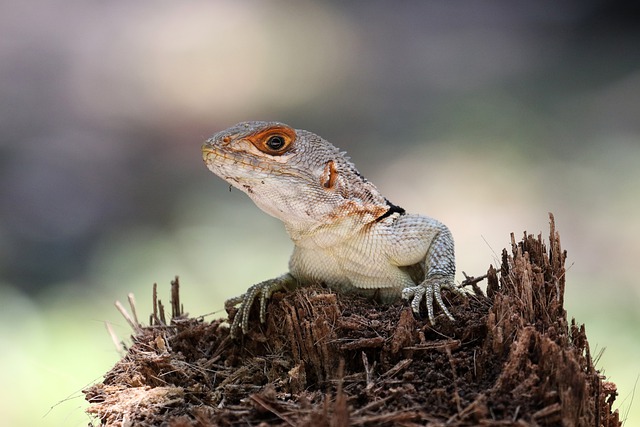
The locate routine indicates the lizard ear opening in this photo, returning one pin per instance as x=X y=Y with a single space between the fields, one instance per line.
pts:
x=329 y=175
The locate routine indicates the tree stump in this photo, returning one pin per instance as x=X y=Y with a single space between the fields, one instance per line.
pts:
x=511 y=358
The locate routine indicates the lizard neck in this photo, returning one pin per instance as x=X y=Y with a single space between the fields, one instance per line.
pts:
x=341 y=225
x=324 y=235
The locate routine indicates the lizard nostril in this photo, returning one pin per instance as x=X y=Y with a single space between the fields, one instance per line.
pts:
x=226 y=139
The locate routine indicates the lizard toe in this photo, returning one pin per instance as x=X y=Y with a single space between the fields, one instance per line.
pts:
x=263 y=290
x=415 y=294
x=430 y=289
x=437 y=290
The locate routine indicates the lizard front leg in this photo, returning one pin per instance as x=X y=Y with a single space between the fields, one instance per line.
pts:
x=264 y=290
x=425 y=242
x=439 y=266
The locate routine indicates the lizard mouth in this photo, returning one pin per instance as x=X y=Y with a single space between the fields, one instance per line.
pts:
x=215 y=156
x=234 y=165
x=207 y=151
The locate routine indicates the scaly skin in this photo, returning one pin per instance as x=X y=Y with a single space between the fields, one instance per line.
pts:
x=346 y=234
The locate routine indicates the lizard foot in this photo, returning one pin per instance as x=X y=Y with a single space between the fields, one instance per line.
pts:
x=430 y=288
x=264 y=290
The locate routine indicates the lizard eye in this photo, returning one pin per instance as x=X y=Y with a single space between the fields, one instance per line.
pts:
x=276 y=142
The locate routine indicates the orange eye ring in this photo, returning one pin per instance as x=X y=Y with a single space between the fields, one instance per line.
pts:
x=274 y=140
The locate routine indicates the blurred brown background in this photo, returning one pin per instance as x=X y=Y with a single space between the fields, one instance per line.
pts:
x=483 y=114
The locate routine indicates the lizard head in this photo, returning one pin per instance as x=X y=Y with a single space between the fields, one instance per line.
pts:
x=292 y=174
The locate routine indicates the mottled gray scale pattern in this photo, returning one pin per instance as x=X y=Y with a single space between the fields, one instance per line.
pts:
x=335 y=218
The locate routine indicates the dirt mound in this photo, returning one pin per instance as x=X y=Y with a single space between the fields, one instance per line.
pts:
x=322 y=359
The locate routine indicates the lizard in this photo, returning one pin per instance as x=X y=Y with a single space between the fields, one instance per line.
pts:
x=346 y=234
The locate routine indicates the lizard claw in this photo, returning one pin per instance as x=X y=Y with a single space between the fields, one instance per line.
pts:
x=430 y=288
x=263 y=290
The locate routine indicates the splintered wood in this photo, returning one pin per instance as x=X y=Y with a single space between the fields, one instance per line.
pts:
x=323 y=359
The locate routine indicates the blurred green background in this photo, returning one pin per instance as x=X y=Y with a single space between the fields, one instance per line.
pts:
x=483 y=114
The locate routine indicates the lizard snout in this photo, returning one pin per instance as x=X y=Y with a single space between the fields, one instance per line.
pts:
x=207 y=150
